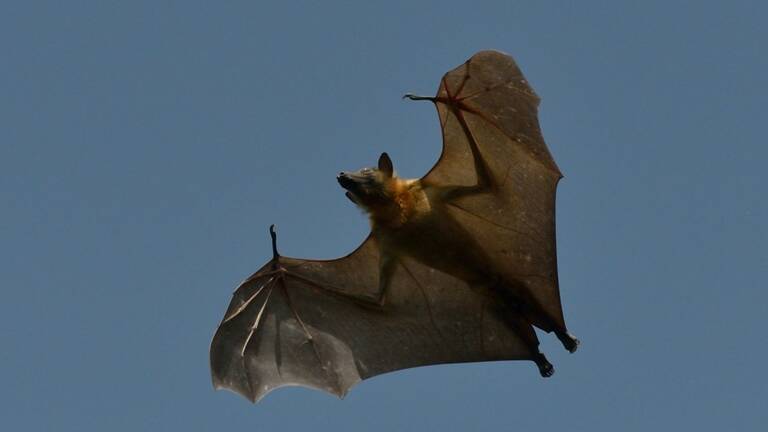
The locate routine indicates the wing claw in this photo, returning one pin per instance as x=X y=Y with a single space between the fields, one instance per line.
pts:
x=414 y=97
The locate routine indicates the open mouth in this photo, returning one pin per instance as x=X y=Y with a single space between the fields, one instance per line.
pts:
x=350 y=185
x=352 y=197
x=346 y=182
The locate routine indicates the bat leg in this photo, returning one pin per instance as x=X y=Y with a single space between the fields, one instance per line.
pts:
x=536 y=315
x=524 y=330
x=545 y=367
x=568 y=340
x=540 y=319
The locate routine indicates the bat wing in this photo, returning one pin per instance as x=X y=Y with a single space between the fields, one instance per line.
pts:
x=488 y=100
x=307 y=323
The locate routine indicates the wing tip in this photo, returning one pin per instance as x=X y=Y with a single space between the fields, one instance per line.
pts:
x=490 y=52
x=222 y=387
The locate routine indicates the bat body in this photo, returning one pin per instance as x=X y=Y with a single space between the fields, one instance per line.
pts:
x=459 y=266
x=410 y=218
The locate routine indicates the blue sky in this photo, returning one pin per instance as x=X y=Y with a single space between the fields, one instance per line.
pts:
x=145 y=147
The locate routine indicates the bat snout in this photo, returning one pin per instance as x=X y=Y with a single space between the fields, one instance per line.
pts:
x=346 y=181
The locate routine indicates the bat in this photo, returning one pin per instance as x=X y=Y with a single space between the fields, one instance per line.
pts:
x=459 y=266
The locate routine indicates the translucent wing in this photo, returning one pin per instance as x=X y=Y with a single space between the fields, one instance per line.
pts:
x=308 y=325
x=488 y=100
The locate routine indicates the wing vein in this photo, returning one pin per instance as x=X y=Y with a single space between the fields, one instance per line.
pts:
x=336 y=292
x=255 y=276
x=307 y=333
x=482 y=115
x=494 y=87
x=427 y=303
x=245 y=304
x=484 y=219
x=255 y=323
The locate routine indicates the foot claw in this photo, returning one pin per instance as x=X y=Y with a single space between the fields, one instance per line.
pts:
x=545 y=367
x=569 y=341
x=547 y=371
x=575 y=346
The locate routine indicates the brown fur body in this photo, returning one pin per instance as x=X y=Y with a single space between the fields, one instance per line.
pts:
x=414 y=223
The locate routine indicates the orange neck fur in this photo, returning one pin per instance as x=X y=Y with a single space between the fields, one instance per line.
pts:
x=400 y=206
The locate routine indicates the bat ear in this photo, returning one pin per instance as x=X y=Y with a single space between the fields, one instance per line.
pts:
x=385 y=165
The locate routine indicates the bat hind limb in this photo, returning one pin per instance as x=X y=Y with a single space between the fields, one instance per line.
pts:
x=545 y=367
x=568 y=340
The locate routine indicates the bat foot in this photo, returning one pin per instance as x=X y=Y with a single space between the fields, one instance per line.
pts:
x=569 y=341
x=545 y=367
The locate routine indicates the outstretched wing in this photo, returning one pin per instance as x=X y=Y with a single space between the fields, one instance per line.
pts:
x=488 y=99
x=306 y=323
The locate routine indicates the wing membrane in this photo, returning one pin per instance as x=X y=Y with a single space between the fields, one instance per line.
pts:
x=489 y=98
x=294 y=329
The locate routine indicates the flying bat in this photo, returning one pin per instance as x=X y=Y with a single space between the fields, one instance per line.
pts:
x=459 y=266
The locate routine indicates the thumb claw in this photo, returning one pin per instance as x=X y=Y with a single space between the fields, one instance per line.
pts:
x=414 y=97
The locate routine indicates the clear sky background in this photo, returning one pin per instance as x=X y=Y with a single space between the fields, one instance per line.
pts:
x=146 y=146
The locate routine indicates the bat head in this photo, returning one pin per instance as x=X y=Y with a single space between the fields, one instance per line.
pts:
x=369 y=187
